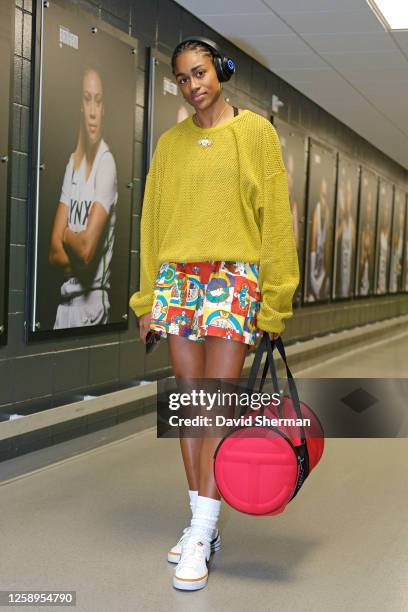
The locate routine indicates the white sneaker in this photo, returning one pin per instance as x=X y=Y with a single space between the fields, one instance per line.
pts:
x=174 y=554
x=191 y=572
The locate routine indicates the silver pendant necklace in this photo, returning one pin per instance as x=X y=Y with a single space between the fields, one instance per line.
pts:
x=205 y=141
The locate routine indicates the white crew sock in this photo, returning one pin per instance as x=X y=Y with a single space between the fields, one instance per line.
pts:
x=205 y=517
x=193 y=499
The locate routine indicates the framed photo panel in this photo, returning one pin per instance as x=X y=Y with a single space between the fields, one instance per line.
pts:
x=365 y=260
x=294 y=150
x=397 y=241
x=166 y=105
x=404 y=283
x=232 y=97
x=319 y=228
x=83 y=141
x=345 y=234
x=244 y=101
x=240 y=100
x=7 y=10
x=383 y=237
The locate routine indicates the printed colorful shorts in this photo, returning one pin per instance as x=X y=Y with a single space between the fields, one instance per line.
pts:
x=207 y=298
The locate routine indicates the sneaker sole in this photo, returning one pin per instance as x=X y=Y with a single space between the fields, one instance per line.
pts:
x=189 y=585
x=175 y=557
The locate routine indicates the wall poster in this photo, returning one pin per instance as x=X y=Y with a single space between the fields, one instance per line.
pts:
x=348 y=174
x=294 y=150
x=364 y=285
x=166 y=105
x=404 y=283
x=397 y=241
x=320 y=213
x=83 y=140
x=383 y=237
x=7 y=10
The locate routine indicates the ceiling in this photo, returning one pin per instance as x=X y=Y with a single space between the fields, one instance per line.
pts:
x=336 y=52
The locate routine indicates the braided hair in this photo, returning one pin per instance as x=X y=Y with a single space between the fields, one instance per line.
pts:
x=191 y=45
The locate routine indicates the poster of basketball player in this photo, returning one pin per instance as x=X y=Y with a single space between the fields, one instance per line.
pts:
x=243 y=101
x=166 y=104
x=319 y=234
x=404 y=282
x=383 y=237
x=397 y=241
x=348 y=174
x=366 y=233
x=294 y=151
x=7 y=10
x=83 y=175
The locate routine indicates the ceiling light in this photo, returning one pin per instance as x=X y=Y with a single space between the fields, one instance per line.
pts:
x=393 y=14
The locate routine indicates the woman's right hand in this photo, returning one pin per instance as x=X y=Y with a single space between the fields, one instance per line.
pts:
x=144 y=322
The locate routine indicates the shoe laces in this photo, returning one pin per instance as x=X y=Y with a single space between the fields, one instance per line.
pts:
x=193 y=549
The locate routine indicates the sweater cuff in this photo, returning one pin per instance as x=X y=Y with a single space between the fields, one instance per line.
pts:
x=140 y=305
x=273 y=323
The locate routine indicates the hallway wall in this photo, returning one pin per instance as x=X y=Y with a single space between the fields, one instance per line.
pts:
x=48 y=373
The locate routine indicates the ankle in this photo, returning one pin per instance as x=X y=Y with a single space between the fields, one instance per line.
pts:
x=205 y=518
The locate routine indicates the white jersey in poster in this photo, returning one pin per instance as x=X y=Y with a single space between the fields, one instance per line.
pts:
x=365 y=283
x=78 y=193
x=382 y=265
x=345 y=254
x=396 y=259
x=317 y=270
x=406 y=267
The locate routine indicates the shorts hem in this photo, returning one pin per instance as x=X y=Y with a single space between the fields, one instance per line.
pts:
x=201 y=338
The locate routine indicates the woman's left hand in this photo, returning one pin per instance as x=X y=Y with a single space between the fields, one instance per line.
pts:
x=273 y=335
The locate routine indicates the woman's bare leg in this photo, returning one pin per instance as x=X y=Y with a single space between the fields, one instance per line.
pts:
x=188 y=361
x=223 y=359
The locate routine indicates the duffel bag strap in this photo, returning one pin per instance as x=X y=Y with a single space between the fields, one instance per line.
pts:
x=270 y=345
x=256 y=364
x=301 y=450
x=255 y=369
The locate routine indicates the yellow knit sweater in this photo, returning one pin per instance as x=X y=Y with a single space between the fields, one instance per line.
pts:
x=227 y=201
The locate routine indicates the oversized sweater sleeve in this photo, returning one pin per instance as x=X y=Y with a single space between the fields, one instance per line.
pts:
x=141 y=302
x=279 y=266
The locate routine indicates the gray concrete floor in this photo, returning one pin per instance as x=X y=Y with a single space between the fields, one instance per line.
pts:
x=385 y=358
x=100 y=523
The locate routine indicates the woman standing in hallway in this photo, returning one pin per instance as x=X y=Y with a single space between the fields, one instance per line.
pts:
x=218 y=260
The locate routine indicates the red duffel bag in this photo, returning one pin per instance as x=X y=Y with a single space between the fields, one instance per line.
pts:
x=260 y=468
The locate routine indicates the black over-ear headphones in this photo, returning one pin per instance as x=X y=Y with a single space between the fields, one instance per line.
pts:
x=224 y=66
